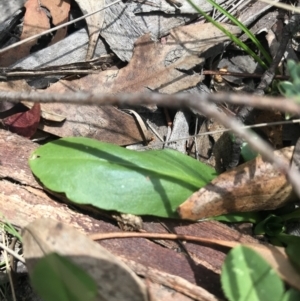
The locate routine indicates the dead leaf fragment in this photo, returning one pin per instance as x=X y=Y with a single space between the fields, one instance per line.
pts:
x=49 y=116
x=26 y=123
x=94 y=22
x=59 y=11
x=253 y=186
x=156 y=66
x=35 y=22
x=105 y=123
x=114 y=279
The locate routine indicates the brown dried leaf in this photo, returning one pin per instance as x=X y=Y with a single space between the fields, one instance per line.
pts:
x=105 y=123
x=115 y=281
x=253 y=186
x=59 y=11
x=26 y=123
x=35 y=22
x=155 y=66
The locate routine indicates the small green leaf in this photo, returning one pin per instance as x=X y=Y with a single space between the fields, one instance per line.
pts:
x=247 y=152
x=237 y=217
x=272 y=226
x=110 y=177
x=246 y=276
x=291 y=295
x=56 y=278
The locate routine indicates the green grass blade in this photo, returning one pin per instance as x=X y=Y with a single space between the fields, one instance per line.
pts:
x=244 y=29
x=232 y=37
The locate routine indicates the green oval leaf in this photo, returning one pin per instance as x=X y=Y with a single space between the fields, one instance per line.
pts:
x=56 y=278
x=246 y=276
x=292 y=249
x=110 y=177
x=291 y=295
x=238 y=217
x=272 y=225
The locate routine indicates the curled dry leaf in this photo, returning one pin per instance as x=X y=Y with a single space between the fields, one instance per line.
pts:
x=253 y=186
x=47 y=115
x=93 y=22
x=26 y=123
x=115 y=281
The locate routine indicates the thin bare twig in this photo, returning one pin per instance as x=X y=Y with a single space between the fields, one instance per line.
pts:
x=276 y=103
x=200 y=103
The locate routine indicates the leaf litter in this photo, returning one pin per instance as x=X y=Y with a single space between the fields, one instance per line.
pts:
x=169 y=64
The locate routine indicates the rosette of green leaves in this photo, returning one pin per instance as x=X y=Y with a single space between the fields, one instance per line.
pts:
x=291 y=88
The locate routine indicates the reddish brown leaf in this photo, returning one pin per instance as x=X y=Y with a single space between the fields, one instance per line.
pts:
x=25 y=123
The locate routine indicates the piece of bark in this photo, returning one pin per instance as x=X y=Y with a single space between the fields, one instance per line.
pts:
x=254 y=11
x=7 y=26
x=22 y=201
x=56 y=55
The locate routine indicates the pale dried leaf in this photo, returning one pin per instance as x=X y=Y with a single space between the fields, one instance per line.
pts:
x=104 y=123
x=114 y=279
x=49 y=116
x=94 y=22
